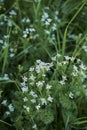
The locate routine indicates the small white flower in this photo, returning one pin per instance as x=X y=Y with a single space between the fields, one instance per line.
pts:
x=39 y=83
x=11 y=49
x=24 y=89
x=53 y=58
x=9 y=23
x=32 y=77
x=11 y=108
x=38 y=107
x=4 y=102
x=7 y=113
x=1 y=41
x=48 y=86
x=62 y=82
x=31 y=69
x=12 y=55
x=25 y=36
x=27 y=108
x=31 y=29
x=64 y=78
x=23 y=84
x=32 y=93
x=64 y=62
x=71 y=95
x=6 y=77
x=34 y=126
x=47 y=31
x=74 y=74
x=72 y=58
x=33 y=100
x=12 y=12
x=54 y=27
x=24 y=79
x=43 y=101
x=25 y=99
x=82 y=66
x=44 y=16
x=75 y=68
x=67 y=57
x=50 y=99
x=72 y=36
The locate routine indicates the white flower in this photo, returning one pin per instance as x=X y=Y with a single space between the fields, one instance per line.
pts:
x=38 y=107
x=1 y=41
x=45 y=16
x=39 y=83
x=24 y=89
x=23 y=84
x=11 y=108
x=48 y=86
x=48 y=21
x=31 y=69
x=12 y=12
x=27 y=108
x=9 y=23
x=12 y=55
x=75 y=68
x=74 y=74
x=35 y=95
x=47 y=31
x=25 y=99
x=25 y=35
x=43 y=101
x=4 y=102
x=62 y=82
x=7 y=113
x=32 y=77
x=54 y=27
x=32 y=93
x=50 y=99
x=33 y=100
x=6 y=77
x=31 y=29
x=24 y=79
x=53 y=58
x=64 y=62
x=71 y=95
x=72 y=36
x=26 y=20
x=34 y=126
x=82 y=66
x=67 y=57
x=72 y=58
x=64 y=78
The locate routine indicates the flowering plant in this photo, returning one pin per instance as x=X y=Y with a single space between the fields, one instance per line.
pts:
x=49 y=93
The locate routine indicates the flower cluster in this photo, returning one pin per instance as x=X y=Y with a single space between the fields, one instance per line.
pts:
x=39 y=91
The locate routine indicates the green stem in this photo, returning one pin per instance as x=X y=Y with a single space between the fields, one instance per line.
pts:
x=65 y=33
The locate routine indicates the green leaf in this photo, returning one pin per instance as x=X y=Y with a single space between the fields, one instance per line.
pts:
x=46 y=116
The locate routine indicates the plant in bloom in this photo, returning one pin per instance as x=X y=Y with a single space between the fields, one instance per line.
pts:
x=41 y=95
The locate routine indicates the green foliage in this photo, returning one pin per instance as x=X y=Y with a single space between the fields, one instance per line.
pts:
x=43 y=65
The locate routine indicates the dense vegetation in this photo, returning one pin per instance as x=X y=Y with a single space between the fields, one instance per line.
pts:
x=43 y=64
